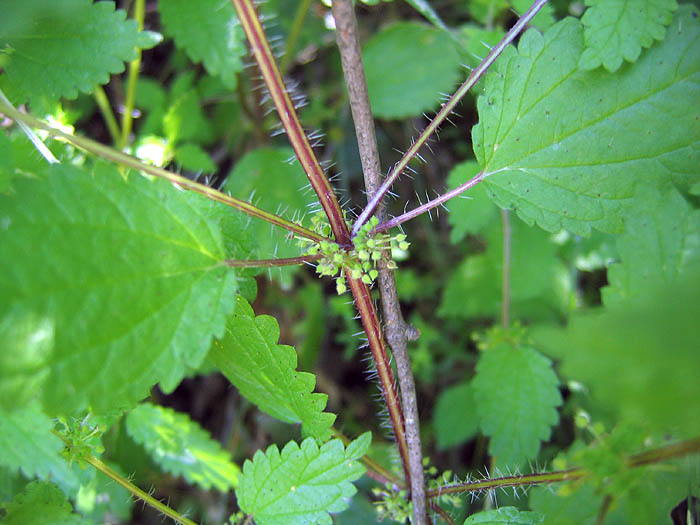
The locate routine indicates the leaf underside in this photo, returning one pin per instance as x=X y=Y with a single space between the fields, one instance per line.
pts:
x=573 y=144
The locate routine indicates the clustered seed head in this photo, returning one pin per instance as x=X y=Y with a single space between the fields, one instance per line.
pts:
x=361 y=261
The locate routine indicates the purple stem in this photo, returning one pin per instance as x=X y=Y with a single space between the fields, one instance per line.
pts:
x=444 y=113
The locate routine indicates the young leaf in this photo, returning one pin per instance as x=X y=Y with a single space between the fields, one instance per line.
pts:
x=568 y=164
x=209 y=31
x=264 y=372
x=302 y=484
x=122 y=281
x=27 y=444
x=505 y=516
x=455 y=419
x=52 y=46
x=617 y=30
x=516 y=394
x=180 y=446
x=661 y=243
x=41 y=503
x=408 y=65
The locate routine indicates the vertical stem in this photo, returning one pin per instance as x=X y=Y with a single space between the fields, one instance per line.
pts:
x=394 y=325
x=107 y=114
x=505 y=291
x=319 y=182
x=139 y=14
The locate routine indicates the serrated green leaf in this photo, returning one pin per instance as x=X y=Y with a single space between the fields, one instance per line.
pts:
x=516 y=394
x=538 y=280
x=41 y=504
x=661 y=243
x=266 y=177
x=407 y=66
x=300 y=485
x=52 y=45
x=123 y=277
x=180 y=446
x=575 y=165
x=209 y=31
x=265 y=372
x=638 y=358
x=617 y=30
x=455 y=419
x=27 y=444
x=505 y=516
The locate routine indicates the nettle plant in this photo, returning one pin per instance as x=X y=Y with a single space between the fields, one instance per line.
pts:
x=557 y=303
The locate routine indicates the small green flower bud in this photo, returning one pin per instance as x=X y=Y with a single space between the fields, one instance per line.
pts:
x=363 y=255
x=373 y=274
x=340 y=287
x=391 y=265
x=376 y=255
x=404 y=245
x=366 y=279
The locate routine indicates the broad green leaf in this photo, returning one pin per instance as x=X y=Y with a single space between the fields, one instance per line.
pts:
x=7 y=163
x=265 y=372
x=516 y=394
x=575 y=164
x=505 y=516
x=471 y=212
x=118 y=286
x=542 y=20
x=27 y=444
x=566 y=505
x=41 y=503
x=180 y=446
x=273 y=182
x=660 y=244
x=52 y=46
x=209 y=32
x=539 y=283
x=618 y=29
x=455 y=419
x=638 y=358
x=302 y=484
x=408 y=65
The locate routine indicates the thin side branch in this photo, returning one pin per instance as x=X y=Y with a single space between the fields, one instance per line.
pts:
x=445 y=112
x=117 y=156
x=270 y=263
x=394 y=325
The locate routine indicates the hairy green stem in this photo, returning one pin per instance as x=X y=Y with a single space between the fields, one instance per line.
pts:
x=395 y=327
x=657 y=455
x=107 y=114
x=137 y=492
x=319 y=182
x=138 y=14
x=445 y=112
x=114 y=155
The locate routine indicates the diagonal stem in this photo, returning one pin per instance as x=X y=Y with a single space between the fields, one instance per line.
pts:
x=394 y=324
x=363 y=301
x=114 y=155
x=445 y=112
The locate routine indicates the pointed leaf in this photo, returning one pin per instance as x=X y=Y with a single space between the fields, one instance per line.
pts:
x=27 y=444
x=121 y=281
x=41 y=504
x=52 y=45
x=180 y=446
x=573 y=144
x=617 y=30
x=408 y=65
x=516 y=393
x=209 y=32
x=302 y=484
x=265 y=372
x=661 y=243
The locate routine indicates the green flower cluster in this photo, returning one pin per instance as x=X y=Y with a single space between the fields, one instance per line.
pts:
x=361 y=261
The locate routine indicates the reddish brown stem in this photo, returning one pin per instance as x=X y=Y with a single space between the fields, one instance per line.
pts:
x=269 y=263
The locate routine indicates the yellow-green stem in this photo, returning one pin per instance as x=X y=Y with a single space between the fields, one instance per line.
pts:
x=107 y=114
x=132 y=79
